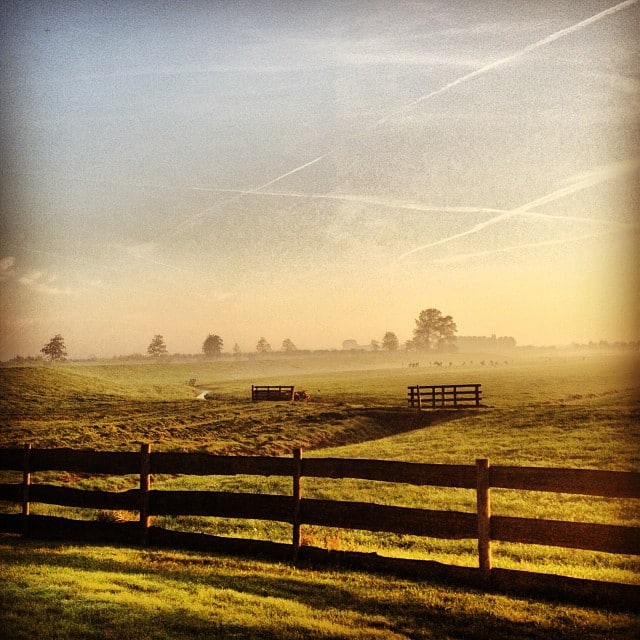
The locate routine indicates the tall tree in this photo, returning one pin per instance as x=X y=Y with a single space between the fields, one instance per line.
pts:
x=212 y=346
x=263 y=346
x=55 y=349
x=236 y=350
x=390 y=341
x=434 y=331
x=157 y=347
x=288 y=346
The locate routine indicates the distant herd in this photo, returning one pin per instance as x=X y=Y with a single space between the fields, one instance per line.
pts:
x=437 y=363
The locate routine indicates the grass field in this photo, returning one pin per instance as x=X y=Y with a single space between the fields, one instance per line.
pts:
x=558 y=410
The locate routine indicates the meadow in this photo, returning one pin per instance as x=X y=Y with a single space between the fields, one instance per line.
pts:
x=539 y=409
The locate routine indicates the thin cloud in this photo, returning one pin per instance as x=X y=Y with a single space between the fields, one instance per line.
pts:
x=52 y=291
x=6 y=268
x=37 y=282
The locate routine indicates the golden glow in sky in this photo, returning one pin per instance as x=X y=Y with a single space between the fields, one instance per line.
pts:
x=317 y=171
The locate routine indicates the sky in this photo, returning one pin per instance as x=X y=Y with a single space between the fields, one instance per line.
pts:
x=318 y=171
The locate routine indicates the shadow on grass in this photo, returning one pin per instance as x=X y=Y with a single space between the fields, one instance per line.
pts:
x=374 y=423
x=249 y=599
x=396 y=419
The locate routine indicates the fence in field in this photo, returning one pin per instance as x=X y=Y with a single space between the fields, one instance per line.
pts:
x=272 y=392
x=299 y=511
x=444 y=395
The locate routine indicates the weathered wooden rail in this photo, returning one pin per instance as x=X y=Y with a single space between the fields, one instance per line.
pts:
x=272 y=392
x=298 y=511
x=444 y=395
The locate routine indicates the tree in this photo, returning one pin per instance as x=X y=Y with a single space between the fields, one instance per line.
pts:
x=433 y=331
x=375 y=345
x=390 y=341
x=212 y=346
x=157 y=347
x=236 y=350
x=263 y=346
x=288 y=346
x=55 y=349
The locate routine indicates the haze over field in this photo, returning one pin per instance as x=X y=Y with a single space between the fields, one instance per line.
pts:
x=317 y=171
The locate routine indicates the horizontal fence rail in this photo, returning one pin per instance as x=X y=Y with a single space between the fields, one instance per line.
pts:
x=444 y=395
x=299 y=511
x=272 y=392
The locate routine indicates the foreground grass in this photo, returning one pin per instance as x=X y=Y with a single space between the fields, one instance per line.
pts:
x=58 y=591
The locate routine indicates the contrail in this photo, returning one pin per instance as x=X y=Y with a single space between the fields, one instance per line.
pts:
x=399 y=204
x=514 y=56
x=544 y=243
x=589 y=180
x=389 y=204
x=239 y=195
x=550 y=216
x=469 y=76
x=357 y=199
x=478 y=72
x=300 y=168
x=450 y=85
x=474 y=74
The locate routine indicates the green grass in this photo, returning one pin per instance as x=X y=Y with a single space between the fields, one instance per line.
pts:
x=59 y=591
x=557 y=411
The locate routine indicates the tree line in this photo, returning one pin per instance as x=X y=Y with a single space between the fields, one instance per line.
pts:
x=433 y=331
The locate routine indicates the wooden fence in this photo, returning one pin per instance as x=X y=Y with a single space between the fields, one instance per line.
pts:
x=444 y=395
x=272 y=392
x=298 y=511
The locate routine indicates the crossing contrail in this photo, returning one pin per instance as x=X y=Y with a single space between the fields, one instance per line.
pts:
x=450 y=85
x=416 y=206
x=589 y=180
x=378 y=202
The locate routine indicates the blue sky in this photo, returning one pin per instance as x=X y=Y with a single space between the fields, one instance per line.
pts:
x=316 y=171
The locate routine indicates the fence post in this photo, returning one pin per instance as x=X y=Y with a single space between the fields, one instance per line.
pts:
x=483 y=492
x=419 y=398
x=26 y=483
x=297 y=494
x=477 y=395
x=145 y=486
